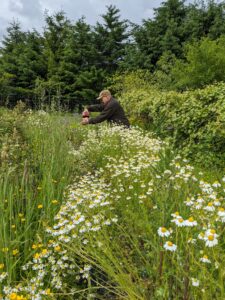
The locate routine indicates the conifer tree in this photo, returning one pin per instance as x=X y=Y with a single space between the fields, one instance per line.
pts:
x=77 y=71
x=55 y=34
x=111 y=39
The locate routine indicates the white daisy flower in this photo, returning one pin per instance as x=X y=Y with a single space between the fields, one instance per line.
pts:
x=217 y=203
x=162 y=231
x=176 y=214
x=200 y=200
x=211 y=241
x=170 y=246
x=195 y=282
x=189 y=202
x=179 y=222
x=216 y=184
x=205 y=259
x=209 y=207
x=221 y=212
x=201 y=236
x=190 y=222
x=211 y=232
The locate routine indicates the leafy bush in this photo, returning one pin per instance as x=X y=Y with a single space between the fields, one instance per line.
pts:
x=205 y=64
x=193 y=121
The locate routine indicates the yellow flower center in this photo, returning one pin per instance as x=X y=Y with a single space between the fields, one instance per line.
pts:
x=191 y=219
x=221 y=209
x=205 y=256
x=180 y=220
x=163 y=229
x=170 y=244
x=213 y=231
x=210 y=204
x=177 y=213
x=211 y=237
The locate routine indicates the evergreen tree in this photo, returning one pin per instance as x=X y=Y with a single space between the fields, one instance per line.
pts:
x=205 y=19
x=55 y=34
x=31 y=62
x=111 y=39
x=164 y=33
x=13 y=44
x=79 y=60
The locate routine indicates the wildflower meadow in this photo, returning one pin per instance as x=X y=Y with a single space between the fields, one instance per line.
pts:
x=99 y=212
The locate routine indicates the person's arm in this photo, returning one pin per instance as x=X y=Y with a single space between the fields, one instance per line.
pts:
x=95 y=107
x=104 y=115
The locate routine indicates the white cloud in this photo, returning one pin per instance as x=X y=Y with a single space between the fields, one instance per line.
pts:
x=30 y=13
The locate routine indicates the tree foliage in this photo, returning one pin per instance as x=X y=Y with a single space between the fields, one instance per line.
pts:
x=71 y=61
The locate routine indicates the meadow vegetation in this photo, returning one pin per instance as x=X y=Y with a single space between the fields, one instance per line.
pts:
x=104 y=213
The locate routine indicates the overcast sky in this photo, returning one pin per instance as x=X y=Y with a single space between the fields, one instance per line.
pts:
x=30 y=12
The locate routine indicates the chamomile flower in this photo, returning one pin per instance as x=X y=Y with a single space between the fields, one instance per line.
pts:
x=211 y=241
x=221 y=212
x=211 y=231
x=216 y=202
x=190 y=222
x=179 y=222
x=170 y=246
x=205 y=259
x=189 y=202
x=176 y=214
x=162 y=231
x=195 y=282
x=201 y=236
x=216 y=184
x=209 y=207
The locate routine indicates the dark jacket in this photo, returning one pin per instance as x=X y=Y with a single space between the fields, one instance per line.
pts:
x=112 y=112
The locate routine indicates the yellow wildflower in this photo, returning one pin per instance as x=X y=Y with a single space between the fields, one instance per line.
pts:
x=57 y=248
x=44 y=251
x=36 y=255
x=13 y=296
x=15 y=252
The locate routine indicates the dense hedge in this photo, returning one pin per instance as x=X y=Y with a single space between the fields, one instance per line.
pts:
x=194 y=121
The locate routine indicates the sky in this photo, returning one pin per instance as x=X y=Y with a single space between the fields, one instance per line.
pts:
x=30 y=13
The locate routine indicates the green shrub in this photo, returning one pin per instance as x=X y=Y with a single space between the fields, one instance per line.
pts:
x=194 y=121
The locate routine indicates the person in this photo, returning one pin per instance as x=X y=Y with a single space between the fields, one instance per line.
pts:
x=111 y=111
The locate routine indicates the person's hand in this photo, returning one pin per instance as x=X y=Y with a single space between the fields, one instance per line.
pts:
x=85 y=121
x=85 y=113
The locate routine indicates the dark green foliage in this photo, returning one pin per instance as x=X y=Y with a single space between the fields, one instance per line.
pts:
x=69 y=63
x=204 y=64
x=55 y=33
x=111 y=39
x=78 y=71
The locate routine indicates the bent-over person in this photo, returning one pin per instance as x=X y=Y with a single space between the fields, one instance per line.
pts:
x=111 y=111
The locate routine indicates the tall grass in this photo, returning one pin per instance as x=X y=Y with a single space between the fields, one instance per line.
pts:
x=109 y=213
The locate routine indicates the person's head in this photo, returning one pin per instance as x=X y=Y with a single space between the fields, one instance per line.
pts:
x=104 y=96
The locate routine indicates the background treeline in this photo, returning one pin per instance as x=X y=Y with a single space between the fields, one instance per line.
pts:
x=182 y=47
